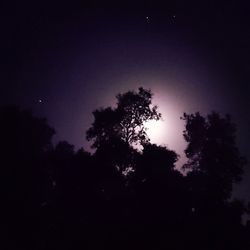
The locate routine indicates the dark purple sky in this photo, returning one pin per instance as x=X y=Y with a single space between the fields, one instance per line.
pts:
x=75 y=58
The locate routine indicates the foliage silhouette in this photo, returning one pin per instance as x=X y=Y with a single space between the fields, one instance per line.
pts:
x=126 y=121
x=212 y=152
x=25 y=141
x=119 y=197
x=215 y=164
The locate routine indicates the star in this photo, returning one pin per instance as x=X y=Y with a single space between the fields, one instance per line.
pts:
x=54 y=184
x=40 y=101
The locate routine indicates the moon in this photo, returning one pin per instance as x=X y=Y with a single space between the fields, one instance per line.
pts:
x=155 y=130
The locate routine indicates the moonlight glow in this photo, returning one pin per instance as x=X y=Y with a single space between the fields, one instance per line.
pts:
x=156 y=130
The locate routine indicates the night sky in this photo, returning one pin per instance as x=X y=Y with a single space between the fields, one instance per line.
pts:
x=65 y=60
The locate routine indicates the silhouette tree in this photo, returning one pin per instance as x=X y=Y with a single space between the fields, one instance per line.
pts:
x=63 y=199
x=212 y=151
x=126 y=120
x=155 y=164
x=25 y=143
x=214 y=165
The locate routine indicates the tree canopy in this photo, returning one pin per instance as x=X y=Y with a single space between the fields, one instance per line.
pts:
x=126 y=120
x=212 y=151
x=120 y=196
